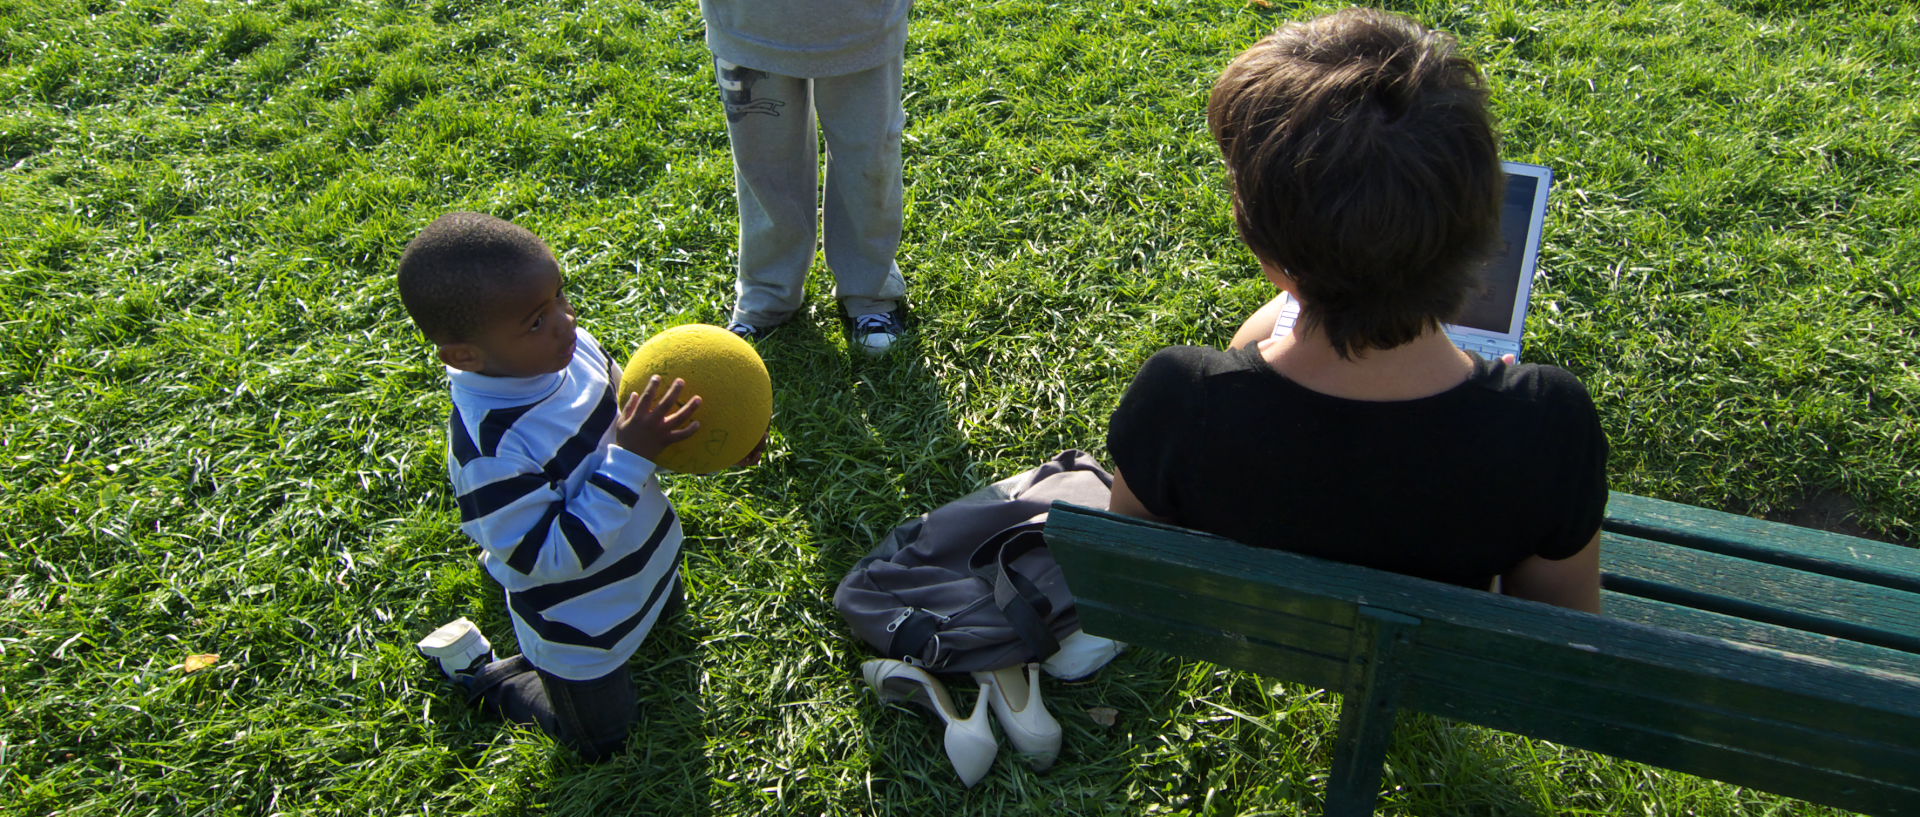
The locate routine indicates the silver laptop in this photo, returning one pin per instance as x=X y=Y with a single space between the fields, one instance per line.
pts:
x=1492 y=321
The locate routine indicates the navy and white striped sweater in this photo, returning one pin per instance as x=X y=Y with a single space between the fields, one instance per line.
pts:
x=574 y=527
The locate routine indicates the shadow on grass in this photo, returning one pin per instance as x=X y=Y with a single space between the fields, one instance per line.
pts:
x=1831 y=511
x=864 y=442
x=870 y=442
x=867 y=443
x=1438 y=766
x=1156 y=731
x=911 y=775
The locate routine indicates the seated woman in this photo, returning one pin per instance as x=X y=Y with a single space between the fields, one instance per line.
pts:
x=1366 y=180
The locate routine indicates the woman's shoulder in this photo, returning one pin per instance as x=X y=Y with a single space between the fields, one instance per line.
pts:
x=1540 y=380
x=1539 y=384
x=1197 y=361
x=1176 y=378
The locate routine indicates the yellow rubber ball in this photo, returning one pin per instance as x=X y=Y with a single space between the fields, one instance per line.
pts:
x=736 y=395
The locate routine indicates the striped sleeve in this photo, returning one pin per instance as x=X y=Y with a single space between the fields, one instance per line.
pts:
x=534 y=525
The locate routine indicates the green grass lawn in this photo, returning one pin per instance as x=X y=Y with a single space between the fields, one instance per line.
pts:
x=223 y=436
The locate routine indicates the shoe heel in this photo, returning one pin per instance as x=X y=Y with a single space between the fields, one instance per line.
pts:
x=1022 y=713
x=969 y=741
x=970 y=745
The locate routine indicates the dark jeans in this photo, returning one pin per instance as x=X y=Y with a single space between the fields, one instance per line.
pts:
x=592 y=717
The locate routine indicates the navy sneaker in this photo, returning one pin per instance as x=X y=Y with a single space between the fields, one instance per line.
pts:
x=876 y=332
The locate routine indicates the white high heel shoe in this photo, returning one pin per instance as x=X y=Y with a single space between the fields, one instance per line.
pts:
x=1021 y=713
x=969 y=740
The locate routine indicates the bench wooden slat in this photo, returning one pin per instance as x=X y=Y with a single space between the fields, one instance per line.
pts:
x=1676 y=748
x=1608 y=705
x=1449 y=686
x=1817 y=603
x=1217 y=646
x=1733 y=628
x=1839 y=724
x=1303 y=627
x=1304 y=623
x=1570 y=726
x=1206 y=568
x=1816 y=551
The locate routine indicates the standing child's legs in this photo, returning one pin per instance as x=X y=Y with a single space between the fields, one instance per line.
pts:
x=770 y=125
x=862 y=119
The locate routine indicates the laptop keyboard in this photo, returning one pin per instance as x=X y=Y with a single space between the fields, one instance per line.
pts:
x=1487 y=349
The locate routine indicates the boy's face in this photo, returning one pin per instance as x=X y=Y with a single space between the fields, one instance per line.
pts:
x=527 y=330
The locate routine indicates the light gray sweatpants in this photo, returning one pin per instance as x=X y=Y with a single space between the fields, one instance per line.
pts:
x=776 y=171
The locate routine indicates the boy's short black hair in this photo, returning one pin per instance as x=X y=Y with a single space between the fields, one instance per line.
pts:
x=1365 y=166
x=451 y=270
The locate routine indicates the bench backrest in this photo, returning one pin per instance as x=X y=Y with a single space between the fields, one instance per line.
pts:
x=1821 y=729
x=1811 y=592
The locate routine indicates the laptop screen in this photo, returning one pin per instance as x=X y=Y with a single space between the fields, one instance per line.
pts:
x=1491 y=309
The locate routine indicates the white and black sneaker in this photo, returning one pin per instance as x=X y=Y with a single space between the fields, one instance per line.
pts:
x=459 y=648
x=876 y=332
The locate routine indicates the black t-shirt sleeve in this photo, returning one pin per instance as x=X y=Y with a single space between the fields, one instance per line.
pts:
x=1583 y=479
x=1162 y=394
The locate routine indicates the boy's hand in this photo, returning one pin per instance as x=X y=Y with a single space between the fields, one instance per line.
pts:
x=753 y=457
x=646 y=426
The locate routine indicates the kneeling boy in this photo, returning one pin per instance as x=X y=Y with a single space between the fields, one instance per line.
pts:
x=555 y=482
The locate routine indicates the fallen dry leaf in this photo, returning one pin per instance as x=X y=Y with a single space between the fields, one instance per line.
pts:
x=1104 y=715
x=200 y=661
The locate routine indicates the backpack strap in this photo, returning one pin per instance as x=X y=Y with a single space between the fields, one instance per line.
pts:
x=1018 y=598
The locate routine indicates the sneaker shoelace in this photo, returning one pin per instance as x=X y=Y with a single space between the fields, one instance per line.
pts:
x=876 y=322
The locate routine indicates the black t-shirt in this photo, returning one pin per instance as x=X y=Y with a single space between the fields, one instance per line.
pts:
x=1458 y=487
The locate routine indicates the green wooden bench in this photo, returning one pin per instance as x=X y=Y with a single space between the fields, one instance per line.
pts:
x=1765 y=655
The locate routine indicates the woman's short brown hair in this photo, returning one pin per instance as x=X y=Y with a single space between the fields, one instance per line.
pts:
x=1365 y=166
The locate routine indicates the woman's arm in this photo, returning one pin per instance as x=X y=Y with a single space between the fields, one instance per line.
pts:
x=1573 y=582
x=1259 y=327
x=1124 y=502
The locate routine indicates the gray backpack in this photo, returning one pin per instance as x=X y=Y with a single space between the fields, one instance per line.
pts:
x=970 y=585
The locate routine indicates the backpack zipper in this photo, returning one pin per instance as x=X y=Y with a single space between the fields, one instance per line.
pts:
x=900 y=619
x=908 y=613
